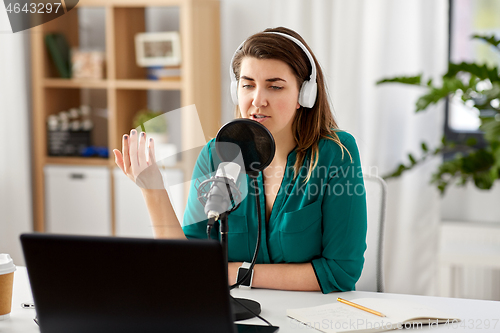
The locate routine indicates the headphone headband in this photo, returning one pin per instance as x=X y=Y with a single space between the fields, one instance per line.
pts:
x=308 y=91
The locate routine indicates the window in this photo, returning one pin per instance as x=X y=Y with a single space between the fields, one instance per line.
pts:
x=467 y=18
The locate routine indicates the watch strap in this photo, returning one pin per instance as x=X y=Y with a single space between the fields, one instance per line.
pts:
x=246 y=265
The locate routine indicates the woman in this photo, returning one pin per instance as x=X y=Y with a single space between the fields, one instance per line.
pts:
x=313 y=193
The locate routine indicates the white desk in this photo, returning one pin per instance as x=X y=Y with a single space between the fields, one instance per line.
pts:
x=274 y=304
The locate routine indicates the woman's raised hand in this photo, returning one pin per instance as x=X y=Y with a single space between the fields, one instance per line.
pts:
x=138 y=162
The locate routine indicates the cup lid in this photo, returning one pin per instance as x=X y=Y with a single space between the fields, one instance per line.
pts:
x=6 y=264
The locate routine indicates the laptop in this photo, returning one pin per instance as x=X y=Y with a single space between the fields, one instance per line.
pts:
x=111 y=284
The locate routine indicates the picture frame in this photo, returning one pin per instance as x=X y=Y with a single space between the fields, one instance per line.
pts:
x=158 y=49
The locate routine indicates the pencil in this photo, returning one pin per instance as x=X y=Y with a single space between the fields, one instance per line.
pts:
x=360 y=307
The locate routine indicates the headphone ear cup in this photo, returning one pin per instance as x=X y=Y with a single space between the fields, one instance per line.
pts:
x=307 y=94
x=234 y=91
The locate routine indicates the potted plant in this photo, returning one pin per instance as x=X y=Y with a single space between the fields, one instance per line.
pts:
x=154 y=123
x=477 y=86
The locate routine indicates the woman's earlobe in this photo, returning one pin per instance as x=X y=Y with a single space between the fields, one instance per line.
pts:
x=298 y=106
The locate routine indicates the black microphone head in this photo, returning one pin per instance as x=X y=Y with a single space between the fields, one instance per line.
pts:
x=247 y=138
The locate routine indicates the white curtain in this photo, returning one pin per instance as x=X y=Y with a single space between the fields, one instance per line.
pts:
x=15 y=164
x=357 y=43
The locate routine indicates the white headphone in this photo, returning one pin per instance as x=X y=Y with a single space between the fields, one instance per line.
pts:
x=308 y=91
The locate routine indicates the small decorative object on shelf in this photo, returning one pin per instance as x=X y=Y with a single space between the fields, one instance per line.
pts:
x=58 y=48
x=69 y=132
x=164 y=73
x=158 y=49
x=87 y=64
x=94 y=151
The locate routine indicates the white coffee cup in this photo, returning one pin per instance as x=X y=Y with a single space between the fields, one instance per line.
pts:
x=7 y=269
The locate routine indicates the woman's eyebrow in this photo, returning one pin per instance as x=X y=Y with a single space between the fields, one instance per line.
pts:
x=274 y=79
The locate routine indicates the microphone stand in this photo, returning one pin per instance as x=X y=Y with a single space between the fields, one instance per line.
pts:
x=243 y=308
x=223 y=229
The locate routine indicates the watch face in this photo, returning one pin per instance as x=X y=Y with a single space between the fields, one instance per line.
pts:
x=241 y=273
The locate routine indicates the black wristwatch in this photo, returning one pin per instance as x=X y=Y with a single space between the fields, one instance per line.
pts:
x=242 y=270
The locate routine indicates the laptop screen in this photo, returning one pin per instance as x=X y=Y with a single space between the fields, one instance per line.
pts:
x=109 y=284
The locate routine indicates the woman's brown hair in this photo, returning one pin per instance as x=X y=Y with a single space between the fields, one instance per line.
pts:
x=310 y=124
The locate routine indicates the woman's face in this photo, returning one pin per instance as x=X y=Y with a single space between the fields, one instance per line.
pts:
x=268 y=93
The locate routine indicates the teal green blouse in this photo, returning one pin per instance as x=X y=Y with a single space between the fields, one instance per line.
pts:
x=322 y=221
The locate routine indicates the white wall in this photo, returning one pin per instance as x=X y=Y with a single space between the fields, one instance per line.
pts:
x=15 y=141
x=471 y=204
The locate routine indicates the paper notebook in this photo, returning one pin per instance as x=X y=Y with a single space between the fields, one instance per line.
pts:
x=339 y=317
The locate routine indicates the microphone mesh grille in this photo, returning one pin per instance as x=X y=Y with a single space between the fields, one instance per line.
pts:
x=249 y=137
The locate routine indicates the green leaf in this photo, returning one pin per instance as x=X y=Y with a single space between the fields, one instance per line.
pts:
x=480 y=71
x=471 y=142
x=478 y=161
x=488 y=39
x=483 y=180
x=450 y=86
x=494 y=172
x=496 y=153
x=424 y=147
x=412 y=80
x=491 y=129
x=412 y=159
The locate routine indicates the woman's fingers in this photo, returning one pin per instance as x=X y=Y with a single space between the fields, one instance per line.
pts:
x=118 y=159
x=136 y=156
x=142 y=150
x=126 y=154
x=134 y=163
x=152 y=157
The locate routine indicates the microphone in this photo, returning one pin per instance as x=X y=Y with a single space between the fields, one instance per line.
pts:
x=221 y=192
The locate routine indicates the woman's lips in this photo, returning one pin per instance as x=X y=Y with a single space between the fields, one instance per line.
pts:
x=261 y=119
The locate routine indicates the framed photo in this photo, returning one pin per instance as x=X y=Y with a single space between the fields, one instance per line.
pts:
x=158 y=49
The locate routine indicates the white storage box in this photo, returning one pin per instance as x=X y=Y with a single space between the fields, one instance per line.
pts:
x=78 y=200
x=131 y=213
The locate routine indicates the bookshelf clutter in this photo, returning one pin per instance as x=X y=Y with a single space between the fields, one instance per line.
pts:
x=74 y=62
x=69 y=133
x=159 y=53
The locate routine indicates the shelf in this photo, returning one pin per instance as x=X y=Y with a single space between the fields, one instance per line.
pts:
x=63 y=160
x=173 y=84
x=75 y=83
